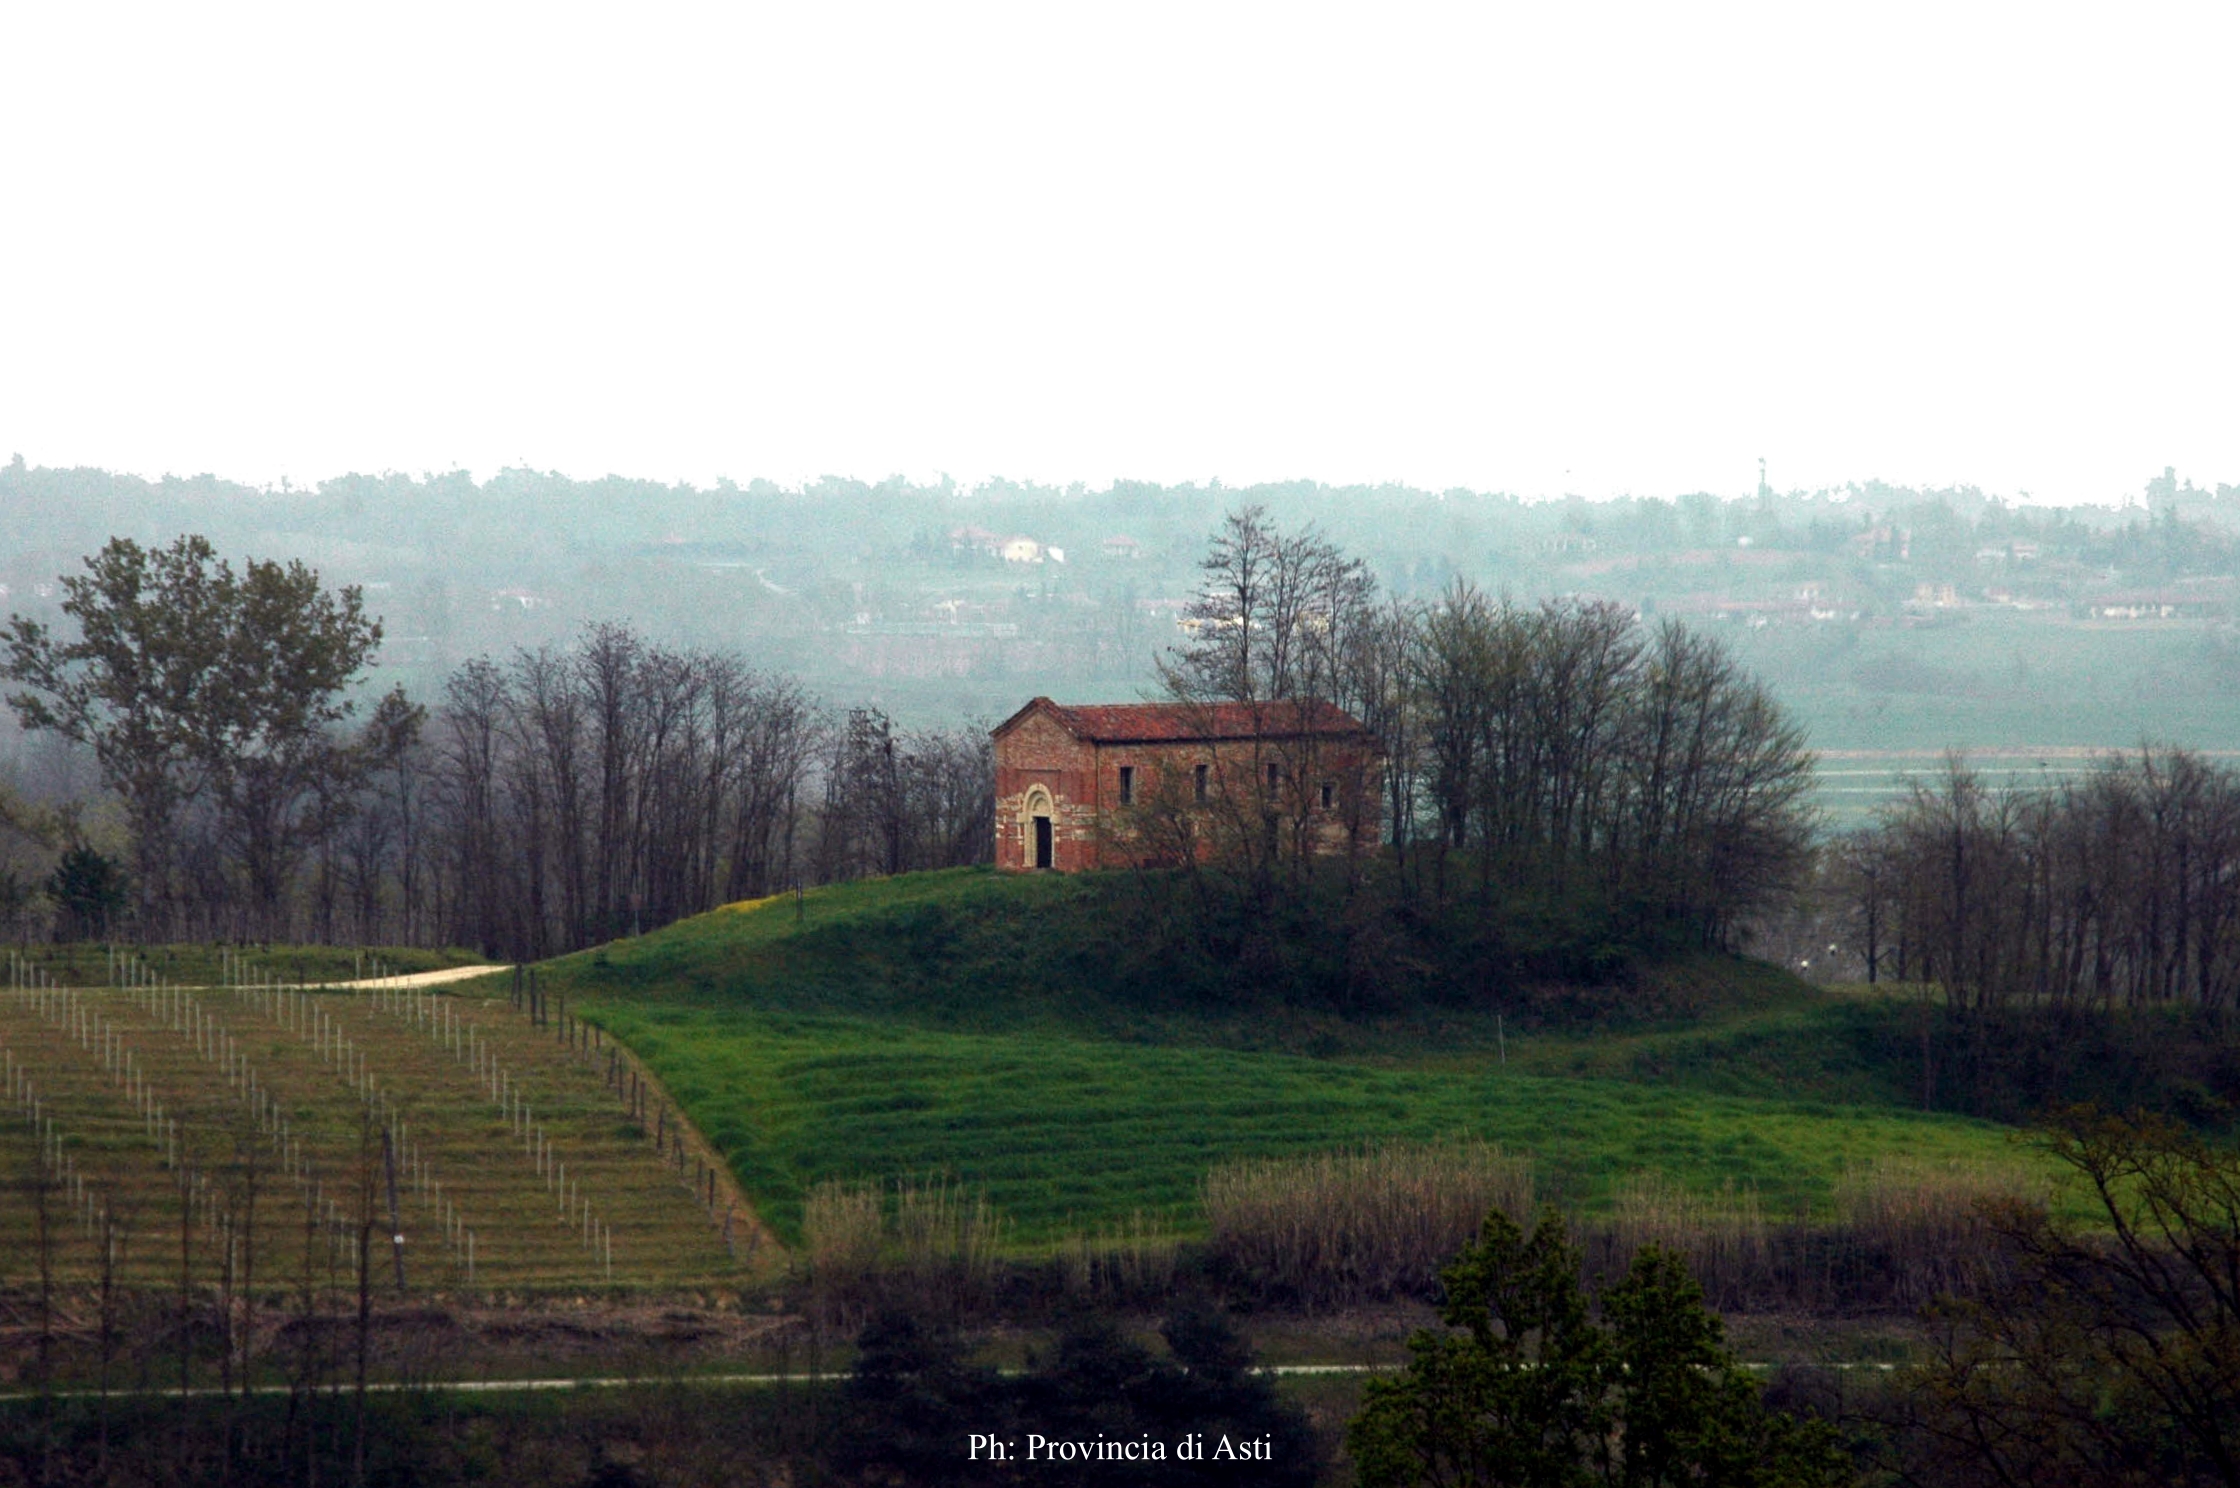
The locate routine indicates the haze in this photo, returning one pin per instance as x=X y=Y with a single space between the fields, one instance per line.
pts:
x=1602 y=250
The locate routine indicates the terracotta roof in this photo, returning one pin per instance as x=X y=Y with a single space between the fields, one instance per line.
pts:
x=1150 y=723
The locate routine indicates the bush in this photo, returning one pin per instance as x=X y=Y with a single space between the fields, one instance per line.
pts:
x=915 y=1404
x=1530 y=1390
x=2102 y=1355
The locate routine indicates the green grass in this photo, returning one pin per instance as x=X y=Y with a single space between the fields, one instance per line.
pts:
x=981 y=1025
x=1068 y=1131
x=1090 y=955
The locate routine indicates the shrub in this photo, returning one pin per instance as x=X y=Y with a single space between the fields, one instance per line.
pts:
x=1528 y=1387
x=2102 y=1355
x=915 y=1400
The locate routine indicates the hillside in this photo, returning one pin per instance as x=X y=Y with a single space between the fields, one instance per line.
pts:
x=988 y=1027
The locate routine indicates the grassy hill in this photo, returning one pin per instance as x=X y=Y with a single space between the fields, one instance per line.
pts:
x=1010 y=1031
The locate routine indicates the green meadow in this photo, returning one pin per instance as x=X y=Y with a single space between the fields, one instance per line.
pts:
x=993 y=1029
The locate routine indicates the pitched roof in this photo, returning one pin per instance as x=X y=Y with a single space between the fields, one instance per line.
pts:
x=1164 y=723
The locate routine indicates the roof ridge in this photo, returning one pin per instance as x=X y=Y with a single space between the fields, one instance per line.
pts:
x=1175 y=721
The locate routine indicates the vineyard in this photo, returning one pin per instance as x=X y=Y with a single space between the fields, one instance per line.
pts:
x=251 y=1133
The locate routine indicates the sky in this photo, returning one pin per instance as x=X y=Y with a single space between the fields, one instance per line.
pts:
x=1534 y=248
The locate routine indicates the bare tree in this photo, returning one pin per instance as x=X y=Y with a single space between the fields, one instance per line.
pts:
x=1564 y=748
x=2120 y=889
x=1280 y=630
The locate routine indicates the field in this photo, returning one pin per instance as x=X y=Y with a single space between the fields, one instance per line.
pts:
x=1070 y=1133
x=2024 y=694
x=276 y=1118
x=964 y=1028
x=896 y=1031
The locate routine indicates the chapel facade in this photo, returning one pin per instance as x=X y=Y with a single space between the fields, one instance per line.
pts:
x=1114 y=785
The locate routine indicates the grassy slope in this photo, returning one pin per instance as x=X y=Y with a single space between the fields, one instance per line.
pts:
x=982 y=1025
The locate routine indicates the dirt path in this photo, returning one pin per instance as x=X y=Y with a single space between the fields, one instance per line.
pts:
x=423 y=978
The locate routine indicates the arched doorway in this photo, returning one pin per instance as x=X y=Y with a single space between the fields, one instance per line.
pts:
x=1038 y=815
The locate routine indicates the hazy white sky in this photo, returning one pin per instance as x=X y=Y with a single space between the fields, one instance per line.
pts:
x=1535 y=248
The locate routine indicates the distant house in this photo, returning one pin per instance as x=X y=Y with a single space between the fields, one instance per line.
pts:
x=2162 y=604
x=1020 y=550
x=1070 y=780
x=2020 y=551
x=1935 y=596
x=1884 y=543
x=970 y=539
x=1122 y=547
x=1809 y=605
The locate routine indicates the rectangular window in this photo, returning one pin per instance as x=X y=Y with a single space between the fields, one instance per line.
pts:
x=1127 y=785
x=1329 y=795
x=1198 y=779
x=1272 y=778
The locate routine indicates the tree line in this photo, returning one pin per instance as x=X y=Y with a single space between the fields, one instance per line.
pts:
x=2119 y=888
x=1566 y=752
x=543 y=802
x=576 y=796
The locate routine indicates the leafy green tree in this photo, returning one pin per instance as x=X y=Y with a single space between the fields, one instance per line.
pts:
x=278 y=773
x=1528 y=1388
x=189 y=683
x=88 y=890
x=16 y=894
x=915 y=1400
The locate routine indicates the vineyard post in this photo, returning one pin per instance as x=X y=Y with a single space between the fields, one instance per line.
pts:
x=250 y=1160
x=396 y=1224
x=43 y=1223
x=303 y=1386
x=364 y=1261
x=185 y=1298
x=226 y=1284
x=107 y=1340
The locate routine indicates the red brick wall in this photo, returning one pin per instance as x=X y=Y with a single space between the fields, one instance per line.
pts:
x=1084 y=785
x=1040 y=752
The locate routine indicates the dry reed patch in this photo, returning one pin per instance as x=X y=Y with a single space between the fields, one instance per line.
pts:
x=1723 y=1235
x=1917 y=1228
x=1131 y=1261
x=931 y=1244
x=1373 y=1223
x=1904 y=1230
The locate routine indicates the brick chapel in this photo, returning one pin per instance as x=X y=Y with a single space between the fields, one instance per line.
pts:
x=1072 y=782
